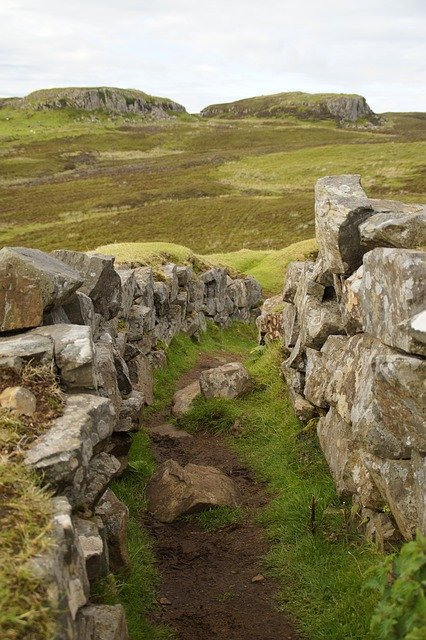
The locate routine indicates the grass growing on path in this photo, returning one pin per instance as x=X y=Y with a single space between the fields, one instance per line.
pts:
x=321 y=574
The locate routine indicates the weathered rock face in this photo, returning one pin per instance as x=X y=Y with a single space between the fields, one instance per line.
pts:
x=18 y=399
x=356 y=326
x=228 y=381
x=393 y=292
x=340 y=207
x=103 y=622
x=109 y=99
x=115 y=516
x=175 y=491
x=270 y=320
x=30 y=283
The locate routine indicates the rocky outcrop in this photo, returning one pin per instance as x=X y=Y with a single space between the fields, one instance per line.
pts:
x=174 y=491
x=354 y=329
x=108 y=99
x=102 y=329
x=340 y=107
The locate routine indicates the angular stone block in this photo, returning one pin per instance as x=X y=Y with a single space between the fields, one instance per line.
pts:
x=144 y=293
x=129 y=417
x=31 y=282
x=183 y=398
x=63 y=453
x=92 y=538
x=115 y=516
x=184 y=275
x=292 y=278
x=17 y=350
x=80 y=310
x=128 y=289
x=101 y=281
x=107 y=621
x=101 y=470
x=140 y=371
x=106 y=371
x=351 y=304
x=341 y=205
x=74 y=354
x=395 y=224
x=392 y=293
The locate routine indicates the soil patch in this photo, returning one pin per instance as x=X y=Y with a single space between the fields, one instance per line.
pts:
x=206 y=587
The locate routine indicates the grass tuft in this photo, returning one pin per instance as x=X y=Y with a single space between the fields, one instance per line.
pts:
x=216 y=518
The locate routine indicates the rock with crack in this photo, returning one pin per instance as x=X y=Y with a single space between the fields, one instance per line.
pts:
x=183 y=399
x=174 y=491
x=32 y=282
x=395 y=224
x=227 y=381
x=393 y=293
x=16 y=351
x=101 y=470
x=74 y=354
x=341 y=205
x=101 y=282
x=115 y=516
x=64 y=452
x=92 y=537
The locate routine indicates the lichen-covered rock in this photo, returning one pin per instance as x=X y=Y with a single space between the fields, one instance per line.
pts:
x=74 y=354
x=418 y=462
x=291 y=326
x=395 y=481
x=101 y=470
x=80 y=310
x=320 y=366
x=337 y=445
x=144 y=293
x=215 y=292
x=31 y=282
x=141 y=321
x=17 y=350
x=107 y=621
x=161 y=299
x=184 y=275
x=395 y=224
x=292 y=278
x=227 y=381
x=195 y=295
x=106 y=371
x=141 y=375
x=129 y=416
x=92 y=537
x=318 y=320
x=128 y=288
x=115 y=516
x=64 y=452
x=63 y=571
x=238 y=293
x=100 y=280
x=341 y=205
x=171 y=279
x=270 y=320
x=174 y=491
x=254 y=292
x=392 y=293
x=350 y=303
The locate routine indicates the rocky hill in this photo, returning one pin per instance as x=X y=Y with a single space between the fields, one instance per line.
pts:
x=341 y=107
x=93 y=98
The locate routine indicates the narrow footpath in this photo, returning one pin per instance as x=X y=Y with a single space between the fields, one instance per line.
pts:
x=213 y=583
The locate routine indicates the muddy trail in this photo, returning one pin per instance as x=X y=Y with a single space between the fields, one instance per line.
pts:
x=213 y=585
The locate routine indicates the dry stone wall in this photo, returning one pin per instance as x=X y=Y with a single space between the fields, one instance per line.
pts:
x=355 y=329
x=103 y=328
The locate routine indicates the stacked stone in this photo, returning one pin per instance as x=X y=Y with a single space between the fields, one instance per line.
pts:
x=355 y=329
x=103 y=329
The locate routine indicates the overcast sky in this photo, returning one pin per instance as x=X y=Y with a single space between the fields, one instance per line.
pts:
x=199 y=52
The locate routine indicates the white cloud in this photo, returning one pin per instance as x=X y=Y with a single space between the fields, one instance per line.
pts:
x=218 y=50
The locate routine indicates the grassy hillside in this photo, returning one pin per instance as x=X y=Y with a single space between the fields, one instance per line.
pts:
x=76 y=179
x=267 y=266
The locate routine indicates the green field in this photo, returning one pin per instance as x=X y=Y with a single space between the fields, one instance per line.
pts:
x=79 y=179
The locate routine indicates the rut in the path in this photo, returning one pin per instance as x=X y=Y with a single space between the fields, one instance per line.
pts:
x=207 y=576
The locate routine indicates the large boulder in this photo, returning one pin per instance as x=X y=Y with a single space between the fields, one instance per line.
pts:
x=32 y=282
x=101 y=282
x=341 y=205
x=393 y=293
x=174 y=491
x=227 y=381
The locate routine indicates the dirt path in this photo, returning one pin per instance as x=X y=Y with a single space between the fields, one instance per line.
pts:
x=207 y=576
